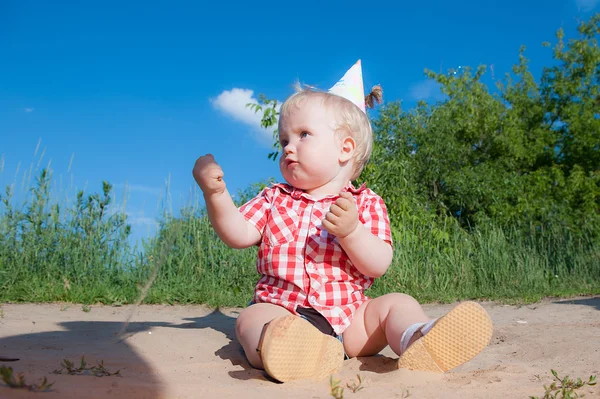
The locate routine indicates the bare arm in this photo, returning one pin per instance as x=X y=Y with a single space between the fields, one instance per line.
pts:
x=370 y=254
x=229 y=224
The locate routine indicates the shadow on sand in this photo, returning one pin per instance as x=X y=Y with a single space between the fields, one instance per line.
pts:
x=41 y=353
x=233 y=352
x=593 y=302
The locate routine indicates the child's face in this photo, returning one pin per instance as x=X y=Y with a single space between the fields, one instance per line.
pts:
x=312 y=152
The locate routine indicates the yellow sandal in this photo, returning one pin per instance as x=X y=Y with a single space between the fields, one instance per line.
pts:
x=292 y=349
x=454 y=339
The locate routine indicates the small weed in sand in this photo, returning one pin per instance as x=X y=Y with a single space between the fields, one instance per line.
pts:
x=1 y=313
x=86 y=308
x=64 y=307
x=7 y=375
x=565 y=388
x=335 y=389
x=98 y=371
x=355 y=387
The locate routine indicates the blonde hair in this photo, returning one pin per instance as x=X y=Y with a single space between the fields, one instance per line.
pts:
x=349 y=119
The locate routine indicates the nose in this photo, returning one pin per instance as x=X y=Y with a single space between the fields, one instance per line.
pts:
x=288 y=149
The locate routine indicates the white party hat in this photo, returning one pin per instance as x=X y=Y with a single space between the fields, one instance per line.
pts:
x=350 y=86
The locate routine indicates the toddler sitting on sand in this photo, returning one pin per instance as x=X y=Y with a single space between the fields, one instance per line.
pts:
x=322 y=242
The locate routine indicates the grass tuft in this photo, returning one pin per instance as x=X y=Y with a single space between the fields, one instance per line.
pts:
x=335 y=389
x=564 y=388
x=83 y=369
x=7 y=375
x=356 y=386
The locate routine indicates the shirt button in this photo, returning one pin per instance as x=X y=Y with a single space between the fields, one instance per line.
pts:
x=312 y=299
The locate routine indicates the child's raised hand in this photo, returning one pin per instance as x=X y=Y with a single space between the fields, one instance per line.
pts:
x=342 y=218
x=209 y=175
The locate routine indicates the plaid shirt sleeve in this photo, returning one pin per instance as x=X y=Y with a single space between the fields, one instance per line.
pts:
x=256 y=210
x=374 y=216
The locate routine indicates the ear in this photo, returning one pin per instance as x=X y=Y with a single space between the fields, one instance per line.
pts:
x=347 y=149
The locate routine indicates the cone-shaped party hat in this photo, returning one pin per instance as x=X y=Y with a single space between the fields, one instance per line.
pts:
x=350 y=86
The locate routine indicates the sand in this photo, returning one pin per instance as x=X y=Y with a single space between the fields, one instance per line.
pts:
x=192 y=352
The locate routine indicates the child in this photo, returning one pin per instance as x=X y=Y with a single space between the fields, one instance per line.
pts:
x=321 y=242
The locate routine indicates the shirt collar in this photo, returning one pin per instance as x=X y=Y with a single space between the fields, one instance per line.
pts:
x=296 y=193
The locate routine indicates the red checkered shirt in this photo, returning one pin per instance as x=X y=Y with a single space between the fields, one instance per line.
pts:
x=300 y=263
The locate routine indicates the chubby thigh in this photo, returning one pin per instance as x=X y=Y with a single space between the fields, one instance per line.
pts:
x=381 y=321
x=250 y=324
x=364 y=337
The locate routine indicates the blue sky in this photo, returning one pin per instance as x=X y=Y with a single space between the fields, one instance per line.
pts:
x=133 y=92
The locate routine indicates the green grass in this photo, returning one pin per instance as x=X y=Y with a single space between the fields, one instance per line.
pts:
x=491 y=264
x=79 y=252
x=68 y=367
x=18 y=382
x=565 y=388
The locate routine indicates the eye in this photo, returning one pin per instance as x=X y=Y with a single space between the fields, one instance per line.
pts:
x=283 y=143
x=304 y=134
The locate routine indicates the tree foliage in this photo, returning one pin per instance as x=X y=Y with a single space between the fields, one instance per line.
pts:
x=524 y=155
x=270 y=110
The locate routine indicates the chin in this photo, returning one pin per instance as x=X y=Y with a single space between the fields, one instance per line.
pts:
x=303 y=184
x=295 y=183
x=299 y=184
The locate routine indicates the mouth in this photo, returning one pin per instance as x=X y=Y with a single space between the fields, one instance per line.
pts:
x=289 y=163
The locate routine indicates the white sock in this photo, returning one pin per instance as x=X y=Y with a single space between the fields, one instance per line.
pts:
x=411 y=330
x=428 y=326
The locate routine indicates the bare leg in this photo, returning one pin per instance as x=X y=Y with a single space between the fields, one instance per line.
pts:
x=381 y=321
x=249 y=327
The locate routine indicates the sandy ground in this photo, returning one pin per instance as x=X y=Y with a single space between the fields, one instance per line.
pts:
x=191 y=352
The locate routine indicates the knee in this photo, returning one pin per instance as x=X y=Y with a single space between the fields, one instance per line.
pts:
x=403 y=300
x=248 y=327
x=244 y=331
x=240 y=325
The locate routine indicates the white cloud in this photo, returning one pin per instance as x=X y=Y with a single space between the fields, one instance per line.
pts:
x=233 y=103
x=587 y=5
x=426 y=90
x=29 y=110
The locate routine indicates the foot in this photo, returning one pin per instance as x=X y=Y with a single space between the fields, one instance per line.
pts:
x=292 y=349
x=456 y=338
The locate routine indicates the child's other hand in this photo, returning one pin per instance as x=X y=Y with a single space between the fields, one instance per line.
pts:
x=342 y=218
x=209 y=175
